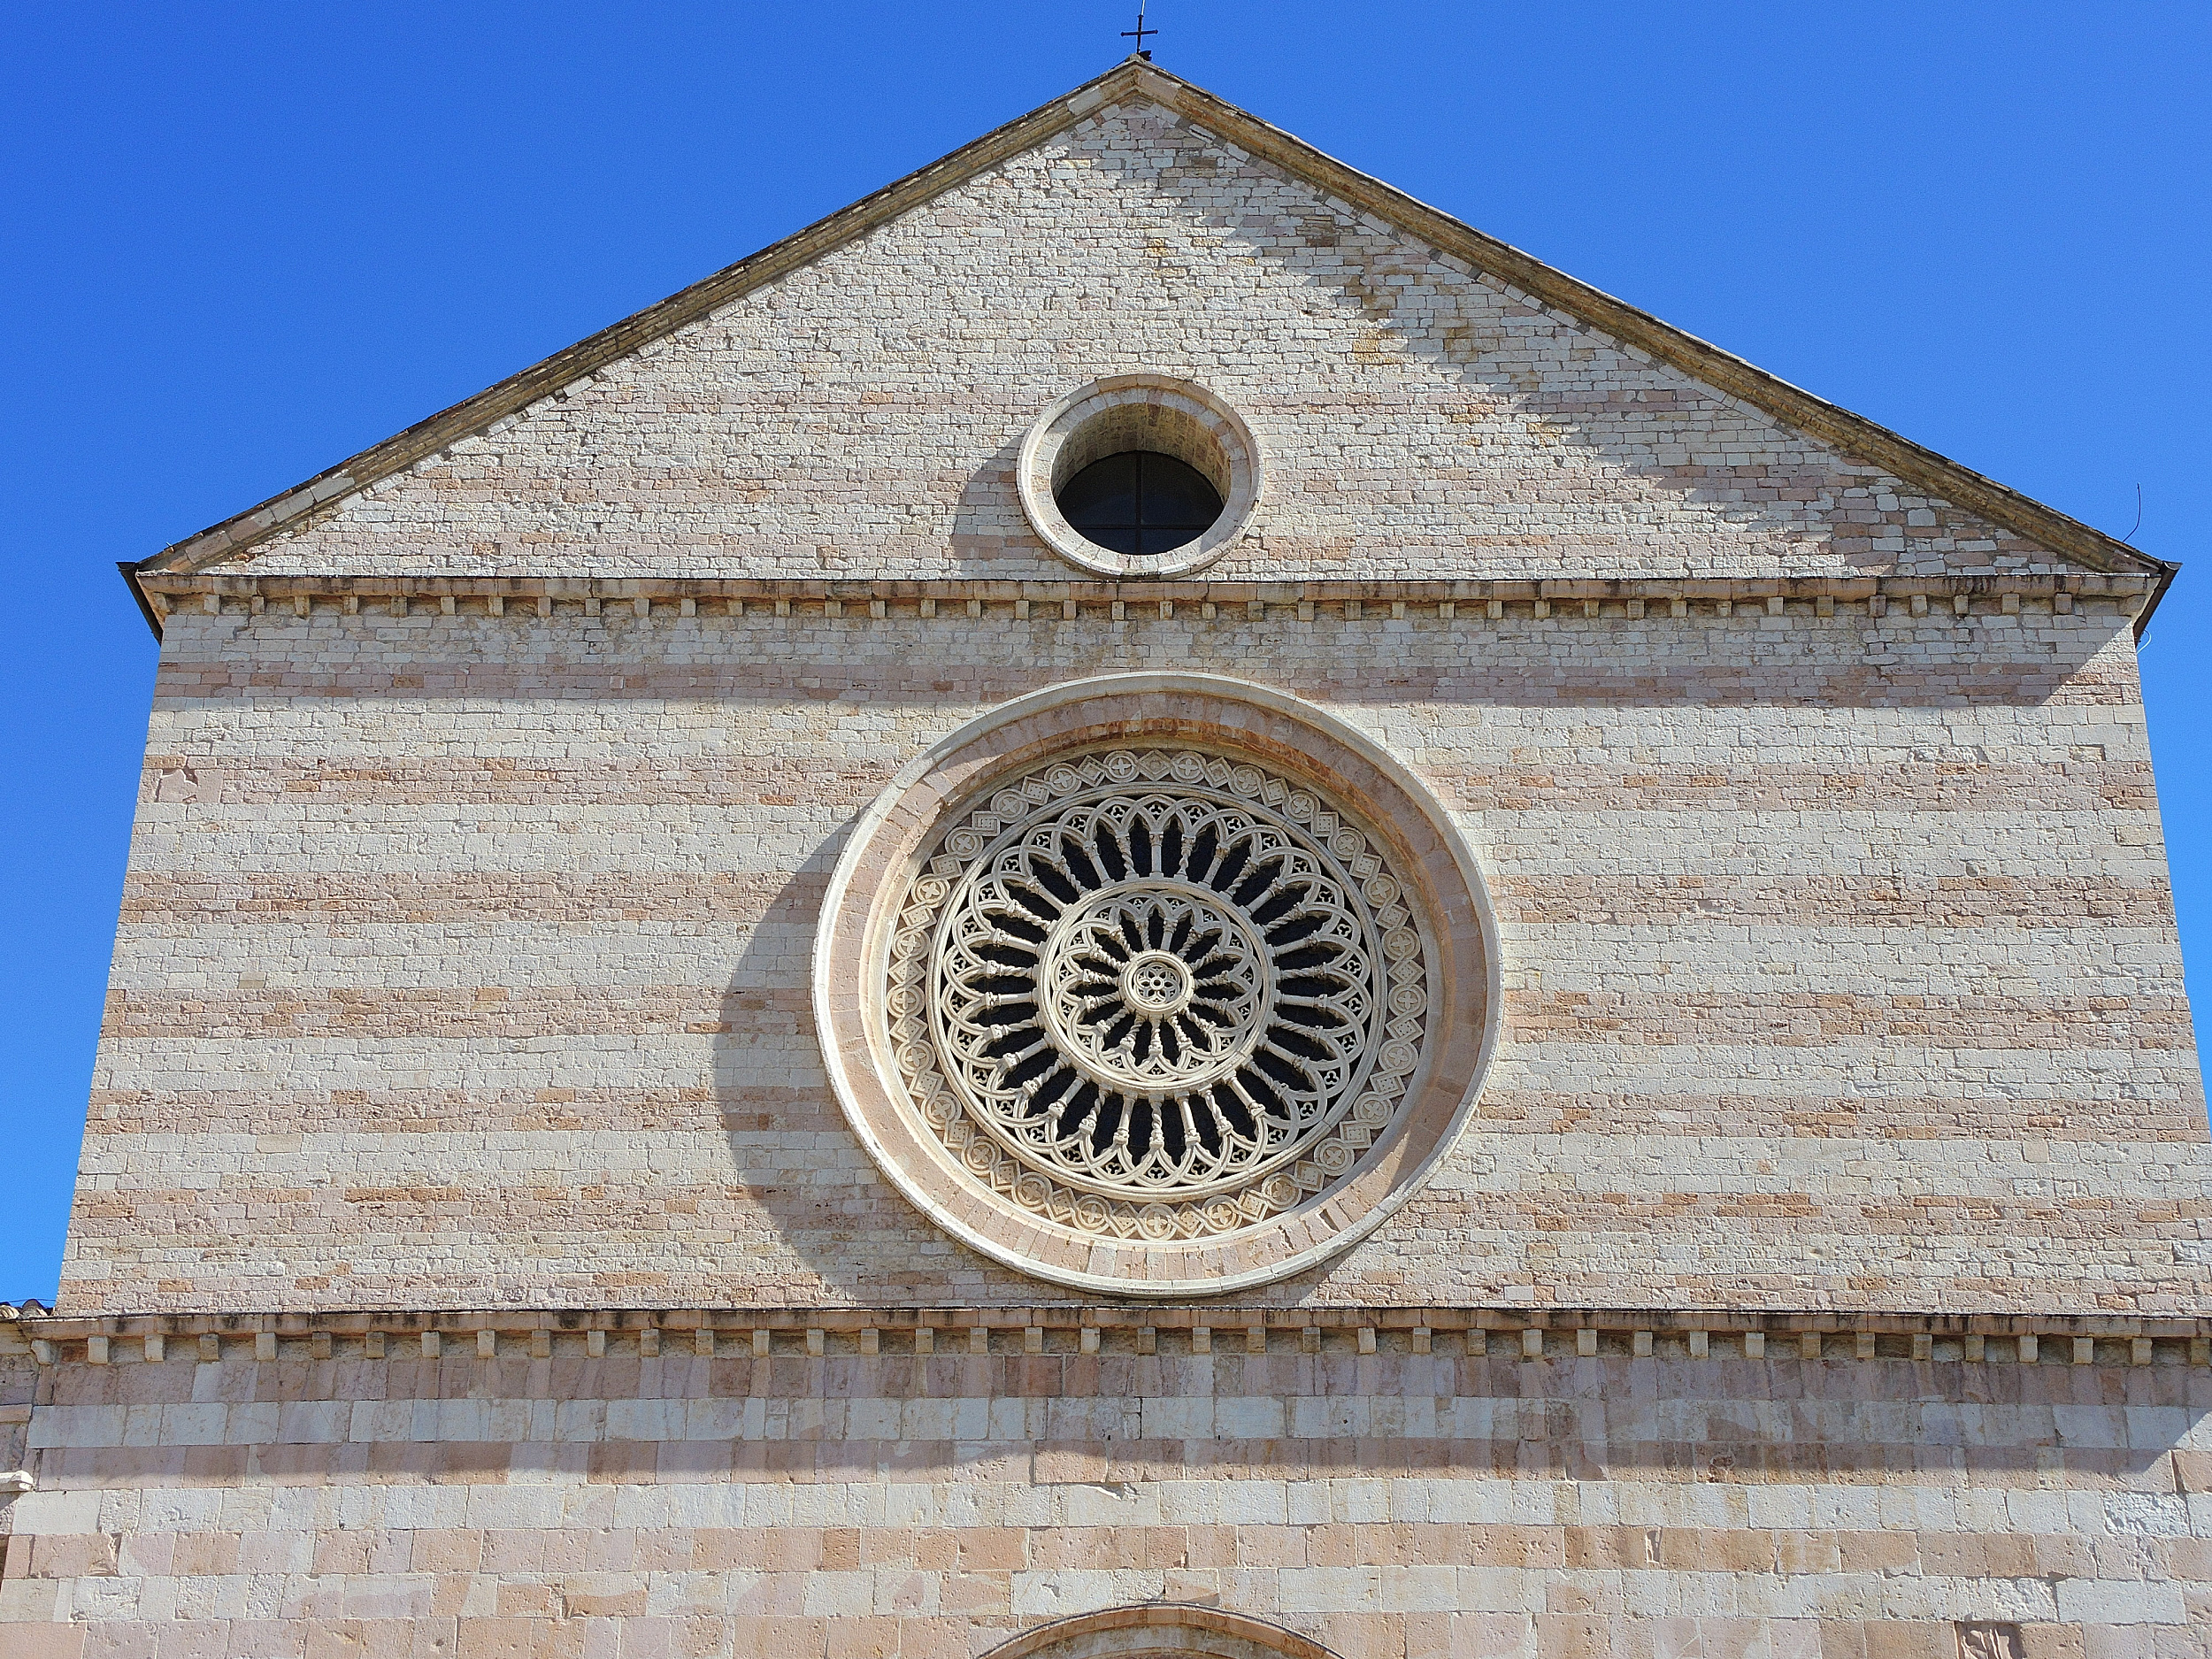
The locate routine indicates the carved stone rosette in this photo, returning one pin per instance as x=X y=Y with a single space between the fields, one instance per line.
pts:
x=1157 y=992
x=1159 y=985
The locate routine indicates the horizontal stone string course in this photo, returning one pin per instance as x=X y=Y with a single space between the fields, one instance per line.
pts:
x=568 y=1206
x=2044 y=678
x=1796 y=1020
x=2055 y=785
x=525 y=598
x=1333 y=590
x=1623 y=898
x=763 y=1333
x=529 y=1106
x=708 y=1441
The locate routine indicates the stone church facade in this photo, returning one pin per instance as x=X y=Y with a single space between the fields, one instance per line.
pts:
x=757 y=1013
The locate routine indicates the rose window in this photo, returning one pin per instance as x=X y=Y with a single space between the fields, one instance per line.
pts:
x=1157 y=994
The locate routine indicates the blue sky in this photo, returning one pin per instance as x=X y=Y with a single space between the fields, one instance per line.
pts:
x=245 y=241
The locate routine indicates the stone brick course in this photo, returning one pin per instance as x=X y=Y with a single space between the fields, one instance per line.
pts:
x=1390 y=1503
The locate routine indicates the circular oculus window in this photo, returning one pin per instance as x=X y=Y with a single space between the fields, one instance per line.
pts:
x=1162 y=985
x=1139 y=475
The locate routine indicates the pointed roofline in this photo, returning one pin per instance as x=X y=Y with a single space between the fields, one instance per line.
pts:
x=1852 y=435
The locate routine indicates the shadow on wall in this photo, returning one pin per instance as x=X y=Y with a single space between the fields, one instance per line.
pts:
x=1576 y=661
x=988 y=524
x=1507 y=351
x=1534 y=388
x=1518 y=421
x=817 y=1199
x=820 y=1203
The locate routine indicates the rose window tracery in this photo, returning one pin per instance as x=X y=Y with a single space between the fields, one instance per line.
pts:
x=1157 y=992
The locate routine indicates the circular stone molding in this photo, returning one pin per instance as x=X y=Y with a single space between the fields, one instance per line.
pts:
x=1158 y=985
x=1146 y=412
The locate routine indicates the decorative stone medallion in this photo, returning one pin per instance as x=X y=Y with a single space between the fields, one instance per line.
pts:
x=1136 y=992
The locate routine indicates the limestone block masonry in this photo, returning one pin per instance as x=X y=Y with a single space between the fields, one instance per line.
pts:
x=463 y=960
x=1566 y=1042
x=1385 y=1493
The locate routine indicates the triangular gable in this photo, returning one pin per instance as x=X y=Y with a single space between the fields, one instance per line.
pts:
x=1729 y=376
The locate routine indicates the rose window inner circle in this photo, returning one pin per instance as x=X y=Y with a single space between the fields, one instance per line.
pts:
x=1157 y=992
x=1153 y=986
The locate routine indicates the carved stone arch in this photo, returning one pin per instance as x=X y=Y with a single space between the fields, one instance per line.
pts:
x=1137 y=1632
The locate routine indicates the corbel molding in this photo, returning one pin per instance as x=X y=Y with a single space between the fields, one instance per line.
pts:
x=1617 y=599
x=2025 y=1337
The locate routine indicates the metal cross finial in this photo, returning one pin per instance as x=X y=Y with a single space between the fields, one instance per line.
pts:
x=1140 y=32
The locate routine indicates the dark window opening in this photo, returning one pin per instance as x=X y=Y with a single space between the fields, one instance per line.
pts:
x=1140 y=503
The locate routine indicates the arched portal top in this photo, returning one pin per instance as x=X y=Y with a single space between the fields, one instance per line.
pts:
x=1159 y=1627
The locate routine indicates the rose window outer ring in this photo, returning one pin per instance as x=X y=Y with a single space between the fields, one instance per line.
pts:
x=1191 y=1194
